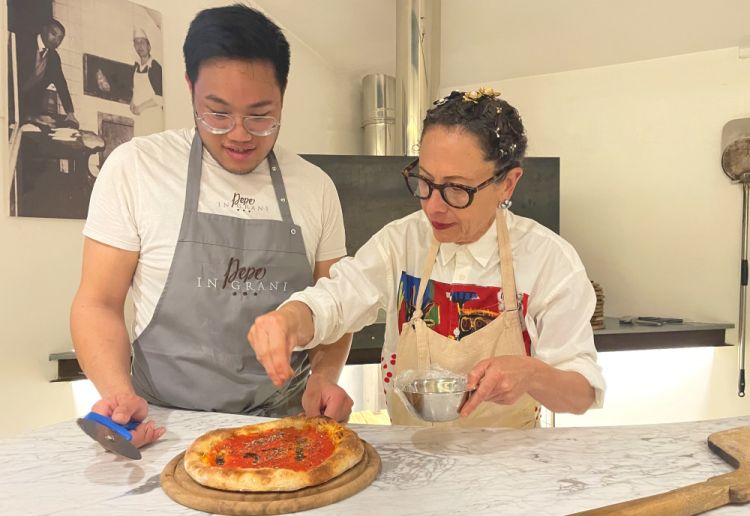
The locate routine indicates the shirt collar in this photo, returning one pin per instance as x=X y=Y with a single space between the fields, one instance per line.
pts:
x=145 y=67
x=262 y=168
x=481 y=251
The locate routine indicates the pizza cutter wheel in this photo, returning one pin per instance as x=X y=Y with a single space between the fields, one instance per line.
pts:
x=112 y=436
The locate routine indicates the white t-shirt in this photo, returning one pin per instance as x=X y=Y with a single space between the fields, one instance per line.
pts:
x=464 y=292
x=139 y=196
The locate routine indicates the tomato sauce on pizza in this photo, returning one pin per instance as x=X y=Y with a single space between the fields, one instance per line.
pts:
x=289 y=448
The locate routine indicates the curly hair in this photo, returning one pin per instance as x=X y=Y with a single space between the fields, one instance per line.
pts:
x=495 y=123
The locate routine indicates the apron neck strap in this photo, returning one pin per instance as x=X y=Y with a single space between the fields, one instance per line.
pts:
x=506 y=262
x=507 y=276
x=426 y=272
x=192 y=191
x=278 y=188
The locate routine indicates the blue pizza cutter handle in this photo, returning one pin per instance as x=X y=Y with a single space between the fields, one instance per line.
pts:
x=123 y=430
x=113 y=436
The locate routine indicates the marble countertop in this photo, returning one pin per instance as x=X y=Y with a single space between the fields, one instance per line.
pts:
x=59 y=470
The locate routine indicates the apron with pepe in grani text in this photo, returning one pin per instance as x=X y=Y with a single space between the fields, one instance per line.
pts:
x=226 y=271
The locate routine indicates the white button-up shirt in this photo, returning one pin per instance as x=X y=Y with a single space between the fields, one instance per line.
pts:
x=463 y=294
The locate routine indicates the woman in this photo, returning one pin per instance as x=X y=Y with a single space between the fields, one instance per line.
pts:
x=521 y=347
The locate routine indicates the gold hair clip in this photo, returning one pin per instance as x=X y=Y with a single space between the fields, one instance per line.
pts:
x=476 y=95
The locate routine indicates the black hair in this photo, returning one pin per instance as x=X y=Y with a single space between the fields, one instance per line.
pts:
x=235 y=32
x=54 y=23
x=495 y=123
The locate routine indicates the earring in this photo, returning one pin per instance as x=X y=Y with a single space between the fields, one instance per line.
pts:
x=507 y=203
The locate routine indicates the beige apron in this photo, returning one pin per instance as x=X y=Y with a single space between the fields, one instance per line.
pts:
x=151 y=119
x=419 y=347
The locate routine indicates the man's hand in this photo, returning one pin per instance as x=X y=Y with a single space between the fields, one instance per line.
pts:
x=135 y=108
x=501 y=380
x=71 y=120
x=274 y=335
x=122 y=408
x=323 y=397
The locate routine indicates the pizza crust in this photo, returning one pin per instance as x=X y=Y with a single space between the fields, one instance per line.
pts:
x=347 y=452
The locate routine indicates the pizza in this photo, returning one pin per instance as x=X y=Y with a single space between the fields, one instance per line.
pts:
x=281 y=455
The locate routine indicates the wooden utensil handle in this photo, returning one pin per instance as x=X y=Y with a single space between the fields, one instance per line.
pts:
x=692 y=499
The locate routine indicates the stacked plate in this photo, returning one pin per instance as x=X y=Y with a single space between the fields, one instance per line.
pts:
x=65 y=134
x=597 y=320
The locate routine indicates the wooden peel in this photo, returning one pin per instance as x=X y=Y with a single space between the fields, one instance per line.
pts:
x=731 y=445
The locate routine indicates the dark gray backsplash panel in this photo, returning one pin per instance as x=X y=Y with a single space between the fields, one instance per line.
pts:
x=373 y=193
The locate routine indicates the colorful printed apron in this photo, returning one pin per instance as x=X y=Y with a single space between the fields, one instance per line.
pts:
x=419 y=347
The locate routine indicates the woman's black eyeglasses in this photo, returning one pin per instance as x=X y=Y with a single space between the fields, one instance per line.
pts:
x=454 y=194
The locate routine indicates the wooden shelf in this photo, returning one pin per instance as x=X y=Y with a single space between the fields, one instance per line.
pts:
x=68 y=368
x=367 y=343
x=627 y=337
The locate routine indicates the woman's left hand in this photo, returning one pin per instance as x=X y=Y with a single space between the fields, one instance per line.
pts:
x=501 y=380
x=324 y=397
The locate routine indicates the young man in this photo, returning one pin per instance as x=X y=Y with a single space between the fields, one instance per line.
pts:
x=39 y=66
x=210 y=227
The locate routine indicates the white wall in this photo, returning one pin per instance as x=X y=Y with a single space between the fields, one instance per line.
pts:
x=647 y=206
x=40 y=261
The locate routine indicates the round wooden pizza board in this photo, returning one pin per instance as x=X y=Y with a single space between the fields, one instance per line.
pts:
x=181 y=488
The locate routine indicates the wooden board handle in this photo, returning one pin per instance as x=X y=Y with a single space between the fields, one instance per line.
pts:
x=692 y=499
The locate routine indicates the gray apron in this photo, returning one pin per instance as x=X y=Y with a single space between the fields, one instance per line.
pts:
x=226 y=271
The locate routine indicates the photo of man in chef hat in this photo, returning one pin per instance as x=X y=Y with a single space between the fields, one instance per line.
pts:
x=147 y=99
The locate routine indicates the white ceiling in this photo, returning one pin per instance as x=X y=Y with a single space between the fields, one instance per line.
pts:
x=528 y=37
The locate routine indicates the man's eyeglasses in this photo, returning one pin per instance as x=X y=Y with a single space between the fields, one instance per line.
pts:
x=454 y=194
x=222 y=123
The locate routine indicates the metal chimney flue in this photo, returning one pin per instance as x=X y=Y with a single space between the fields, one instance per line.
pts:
x=379 y=116
x=393 y=108
x=417 y=66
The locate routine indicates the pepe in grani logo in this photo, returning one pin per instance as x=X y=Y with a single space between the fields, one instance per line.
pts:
x=243 y=279
x=241 y=203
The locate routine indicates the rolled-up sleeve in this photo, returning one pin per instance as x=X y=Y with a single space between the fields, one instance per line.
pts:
x=560 y=328
x=350 y=299
x=111 y=218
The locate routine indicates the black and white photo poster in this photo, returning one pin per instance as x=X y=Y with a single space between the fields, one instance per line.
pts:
x=83 y=77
